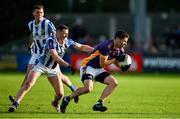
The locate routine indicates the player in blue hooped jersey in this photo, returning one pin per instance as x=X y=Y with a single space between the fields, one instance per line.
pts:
x=48 y=63
x=40 y=29
x=92 y=68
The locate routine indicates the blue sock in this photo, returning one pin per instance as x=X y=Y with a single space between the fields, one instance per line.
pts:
x=73 y=88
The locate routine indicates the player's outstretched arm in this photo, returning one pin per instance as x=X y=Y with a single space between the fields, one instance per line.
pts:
x=84 y=48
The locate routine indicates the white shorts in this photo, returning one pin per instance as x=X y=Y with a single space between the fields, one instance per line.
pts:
x=43 y=69
x=33 y=58
x=90 y=70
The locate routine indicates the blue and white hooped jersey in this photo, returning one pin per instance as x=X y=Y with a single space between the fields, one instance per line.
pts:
x=41 y=32
x=47 y=59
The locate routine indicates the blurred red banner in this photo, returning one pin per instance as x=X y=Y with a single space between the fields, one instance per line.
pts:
x=136 y=65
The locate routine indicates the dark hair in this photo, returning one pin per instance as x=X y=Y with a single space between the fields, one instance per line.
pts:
x=38 y=7
x=62 y=27
x=121 y=34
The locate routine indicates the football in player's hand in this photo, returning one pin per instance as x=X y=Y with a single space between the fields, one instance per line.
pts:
x=124 y=61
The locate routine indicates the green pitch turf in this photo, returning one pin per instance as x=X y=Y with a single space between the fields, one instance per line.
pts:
x=137 y=96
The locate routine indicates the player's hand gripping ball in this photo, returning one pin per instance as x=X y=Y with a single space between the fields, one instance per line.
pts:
x=124 y=60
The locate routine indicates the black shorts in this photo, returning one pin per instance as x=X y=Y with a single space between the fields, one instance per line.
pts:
x=99 y=78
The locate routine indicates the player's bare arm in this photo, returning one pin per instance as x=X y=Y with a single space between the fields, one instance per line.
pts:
x=105 y=62
x=58 y=59
x=30 y=44
x=85 y=48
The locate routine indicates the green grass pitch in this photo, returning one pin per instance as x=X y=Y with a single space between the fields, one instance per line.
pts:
x=137 y=96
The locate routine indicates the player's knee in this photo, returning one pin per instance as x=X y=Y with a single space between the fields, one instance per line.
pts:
x=88 y=89
x=114 y=83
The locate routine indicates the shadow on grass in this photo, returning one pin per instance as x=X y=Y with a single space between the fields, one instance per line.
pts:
x=103 y=113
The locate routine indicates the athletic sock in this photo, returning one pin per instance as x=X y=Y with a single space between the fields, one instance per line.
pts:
x=15 y=104
x=99 y=102
x=73 y=88
x=68 y=98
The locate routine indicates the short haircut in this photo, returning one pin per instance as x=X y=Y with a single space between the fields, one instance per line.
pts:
x=62 y=27
x=38 y=7
x=121 y=34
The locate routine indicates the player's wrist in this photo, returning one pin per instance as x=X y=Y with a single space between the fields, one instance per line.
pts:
x=69 y=66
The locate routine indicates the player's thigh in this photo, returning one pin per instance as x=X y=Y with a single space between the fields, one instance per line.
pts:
x=30 y=66
x=57 y=84
x=53 y=80
x=66 y=80
x=88 y=84
x=110 y=80
x=32 y=77
x=64 y=77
